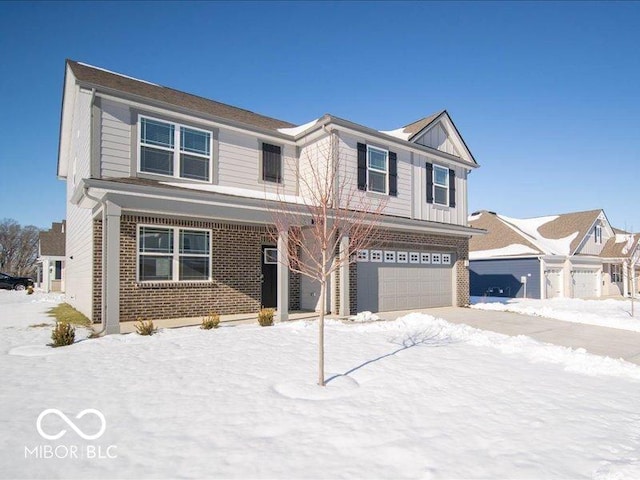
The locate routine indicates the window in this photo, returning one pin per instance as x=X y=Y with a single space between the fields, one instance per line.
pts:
x=376 y=255
x=440 y=185
x=616 y=272
x=446 y=259
x=271 y=163
x=58 y=270
x=270 y=256
x=403 y=257
x=414 y=257
x=435 y=259
x=362 y=256
x=174 y=150
x=160 y=261
x=425 y=258
x=598 y=234
x=377 y=169
x=389 y=257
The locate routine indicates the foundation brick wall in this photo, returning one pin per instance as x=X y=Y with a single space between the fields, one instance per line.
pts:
x=236 y=270
x=393 y=240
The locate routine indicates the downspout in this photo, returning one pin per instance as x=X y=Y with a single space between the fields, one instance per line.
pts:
x=103 y=262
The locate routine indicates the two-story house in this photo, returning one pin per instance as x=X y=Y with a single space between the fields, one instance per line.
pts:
x=169 y=201
x=577 y=254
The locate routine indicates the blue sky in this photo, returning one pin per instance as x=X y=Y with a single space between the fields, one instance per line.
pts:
x=546 y=95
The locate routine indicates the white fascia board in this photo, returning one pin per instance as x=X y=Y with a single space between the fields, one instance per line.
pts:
x=454 y=134
x=69 y=93
x=186 y=115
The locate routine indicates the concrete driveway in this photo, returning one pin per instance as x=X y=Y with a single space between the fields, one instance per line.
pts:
x=610 y=342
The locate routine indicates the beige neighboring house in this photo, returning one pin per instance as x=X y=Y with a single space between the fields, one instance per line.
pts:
x=170 y=199
x=575 y=254
x=51 y=258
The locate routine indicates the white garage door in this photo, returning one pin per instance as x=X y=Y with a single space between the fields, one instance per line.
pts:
x=400 y=285
x=585 y=283
x=553 y=281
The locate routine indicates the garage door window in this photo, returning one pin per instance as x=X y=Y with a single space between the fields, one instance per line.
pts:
x=389 y=257
x=414 y=257
x=403 y=257
x=425 y=258
x=436 y=259
x=376 y=255
x=363 y=256
x=446 y=259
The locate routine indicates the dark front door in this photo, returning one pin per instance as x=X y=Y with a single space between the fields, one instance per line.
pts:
x=269 y=277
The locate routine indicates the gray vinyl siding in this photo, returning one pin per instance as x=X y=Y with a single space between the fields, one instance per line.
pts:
x=437 y=138
x=79 y=231
x=501 y=278
x=115 y=139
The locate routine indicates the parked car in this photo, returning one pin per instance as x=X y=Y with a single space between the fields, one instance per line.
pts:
x=14 y=283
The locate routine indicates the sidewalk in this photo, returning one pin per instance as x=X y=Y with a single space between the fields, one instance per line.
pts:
x=610 y=342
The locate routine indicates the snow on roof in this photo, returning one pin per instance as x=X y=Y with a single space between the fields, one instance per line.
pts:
x=474 y=216
x=508 y=251
x=398 y=133
x=116 y=73
x=530 y=226
x=293 y=131
x=240 y=192
x=622 y=237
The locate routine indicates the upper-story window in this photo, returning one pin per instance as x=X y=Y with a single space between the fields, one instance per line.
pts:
x=174 y=150
x=377 y=169
x=598 y=234
x=271 y=163
x=440 y=185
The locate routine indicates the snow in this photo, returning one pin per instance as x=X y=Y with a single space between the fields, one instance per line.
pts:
x=530 y=226
x=293 y=131
x=398 y=133
x=240 y=192
x=116 y=73
x=365 y=316
x=509 y=250
x=613 y=313
x=473 y=217
x=412 y=398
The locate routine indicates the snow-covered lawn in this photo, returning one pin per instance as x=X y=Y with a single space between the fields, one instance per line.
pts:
x=417 y=398
x=613 y=313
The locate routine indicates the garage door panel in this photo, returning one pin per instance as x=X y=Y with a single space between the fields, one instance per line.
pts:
x=585 y=283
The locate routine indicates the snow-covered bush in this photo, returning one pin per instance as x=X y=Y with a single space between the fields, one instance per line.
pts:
x=145 y=327
x=62 y=334
x=210 y=321
x=265 y=317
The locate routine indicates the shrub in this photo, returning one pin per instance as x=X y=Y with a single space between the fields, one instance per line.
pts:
x=265 y=317
x=145 y=327
x=210 y=321
x=30 y=290
x=63 y=334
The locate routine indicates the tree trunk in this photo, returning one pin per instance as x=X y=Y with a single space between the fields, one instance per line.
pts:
x=323 y=305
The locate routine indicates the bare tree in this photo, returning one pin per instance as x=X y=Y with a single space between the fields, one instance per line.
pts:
x=18 y=247
x=329 y=209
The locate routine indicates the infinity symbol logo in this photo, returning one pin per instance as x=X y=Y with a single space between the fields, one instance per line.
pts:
x=57 y=412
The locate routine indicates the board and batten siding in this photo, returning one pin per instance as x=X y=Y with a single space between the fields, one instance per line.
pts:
x=589 y=245
x=400 y=205
x=239 y=163
x=437 y=138
x=115 y=139
x=79 y=231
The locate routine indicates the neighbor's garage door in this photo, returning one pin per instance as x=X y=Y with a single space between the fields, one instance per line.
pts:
x=585 y=283
x=399 y=280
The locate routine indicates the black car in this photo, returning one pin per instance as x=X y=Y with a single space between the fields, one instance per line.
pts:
x=14 y=283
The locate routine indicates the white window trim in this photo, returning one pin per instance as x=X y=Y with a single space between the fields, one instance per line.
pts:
x=598 y=234
x=436 y=259
x=264 y=258
x=175 y=262
x=446 y=259
x=386 y=171
x=389 y=256
x=446 y=201
x=402 y=257
x=362 y=256
x=414 y=257
x=425 y=258
x=176 y=149
x=378 y=254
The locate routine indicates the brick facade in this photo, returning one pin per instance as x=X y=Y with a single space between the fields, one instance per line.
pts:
x=236 y=269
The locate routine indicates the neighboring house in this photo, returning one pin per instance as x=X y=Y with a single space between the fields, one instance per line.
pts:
x=574 y=254
x=169 y=198
x=51 y=258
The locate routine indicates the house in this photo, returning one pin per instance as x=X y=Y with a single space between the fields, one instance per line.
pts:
x=51 y=258
x=574 y=254
x=169 y=198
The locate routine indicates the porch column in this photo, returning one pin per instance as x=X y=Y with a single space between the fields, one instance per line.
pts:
x=345 y=310
x=625 y=278
x=283 y=276
x=111 y=231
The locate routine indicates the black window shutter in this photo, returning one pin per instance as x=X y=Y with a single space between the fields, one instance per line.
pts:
x=271 y=163
x=393 y=174
x=452 y=188
x=362 y=166
x=429 y=183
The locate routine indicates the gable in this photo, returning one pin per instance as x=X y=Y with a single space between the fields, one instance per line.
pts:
x=437 y=136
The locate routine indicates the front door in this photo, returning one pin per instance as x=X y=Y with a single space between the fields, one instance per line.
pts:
x=269 y=277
